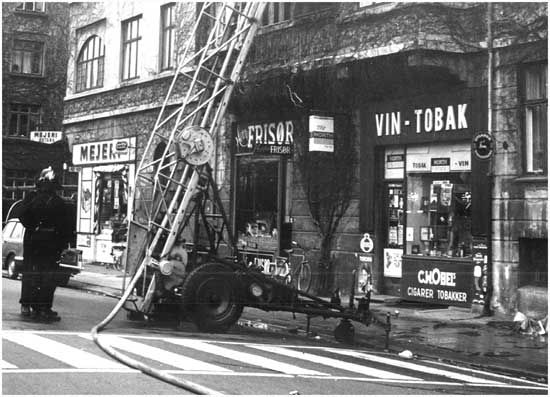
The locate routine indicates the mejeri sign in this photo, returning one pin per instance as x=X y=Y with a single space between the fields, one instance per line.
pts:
x=105 y=152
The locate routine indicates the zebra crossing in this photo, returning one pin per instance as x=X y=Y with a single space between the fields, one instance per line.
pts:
x=48 y=351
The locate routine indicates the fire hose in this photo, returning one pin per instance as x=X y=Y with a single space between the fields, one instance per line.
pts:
x=184 y=384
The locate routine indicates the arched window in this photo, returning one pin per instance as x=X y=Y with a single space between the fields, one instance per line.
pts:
x=90 y=65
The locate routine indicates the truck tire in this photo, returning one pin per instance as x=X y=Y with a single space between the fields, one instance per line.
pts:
x=211 y=298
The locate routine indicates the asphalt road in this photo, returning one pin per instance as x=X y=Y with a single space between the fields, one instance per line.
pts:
x=60 y=358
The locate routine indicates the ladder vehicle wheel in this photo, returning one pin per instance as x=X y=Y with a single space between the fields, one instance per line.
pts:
x=210 y=297
x=304 y=277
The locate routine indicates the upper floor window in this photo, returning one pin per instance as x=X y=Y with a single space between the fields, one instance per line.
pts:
x=130 y=48
x=276 y=12
x=90 y=64
x=27 y=57
x=37 y=6
x=535 y=111
x=168 y=29
x=23 y=119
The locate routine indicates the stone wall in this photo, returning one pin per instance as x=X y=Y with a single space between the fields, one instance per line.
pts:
x=519 y=202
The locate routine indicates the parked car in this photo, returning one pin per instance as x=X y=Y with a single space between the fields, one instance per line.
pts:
x=12 y=253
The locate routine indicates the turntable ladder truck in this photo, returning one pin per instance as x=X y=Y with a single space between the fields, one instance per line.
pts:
x=175 y=195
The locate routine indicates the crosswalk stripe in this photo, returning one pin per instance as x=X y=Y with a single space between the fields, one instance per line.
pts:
x=67 y=354
x=6 y=365
x=160 y=355
x=412 y=366
x=248 y=358
x=342 y=365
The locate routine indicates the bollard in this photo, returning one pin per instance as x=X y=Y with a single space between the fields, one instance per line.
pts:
x=388 y=329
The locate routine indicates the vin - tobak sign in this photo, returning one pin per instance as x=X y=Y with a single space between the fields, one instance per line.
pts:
x=437 y=281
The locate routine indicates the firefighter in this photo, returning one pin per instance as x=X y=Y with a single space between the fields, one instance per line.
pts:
x=47 y=232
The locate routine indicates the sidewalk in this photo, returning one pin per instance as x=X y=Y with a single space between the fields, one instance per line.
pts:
x=448 y=334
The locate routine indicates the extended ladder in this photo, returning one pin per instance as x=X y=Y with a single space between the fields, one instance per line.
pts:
x=176 y=157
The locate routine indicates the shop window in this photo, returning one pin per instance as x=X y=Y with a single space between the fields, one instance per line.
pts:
x=168 y=29
x=36 y=6
x=535 y=112
x=257 y=203
x=130 y=48
x=439 y=214
x=90 y=64
x=27 y=57
x=23 y=119
x=111 y=188
x=533 y=258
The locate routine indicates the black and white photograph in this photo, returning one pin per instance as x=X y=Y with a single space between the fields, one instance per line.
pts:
x=274 y=198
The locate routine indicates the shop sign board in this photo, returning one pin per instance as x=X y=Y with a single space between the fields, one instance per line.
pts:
x=453 y=157
x=46 y=136
x=321 y=134
x=119 y=150
x=437 y=281
x=444 y=117
x=274 y=137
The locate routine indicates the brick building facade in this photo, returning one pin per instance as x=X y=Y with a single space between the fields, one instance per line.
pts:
x=401 y=91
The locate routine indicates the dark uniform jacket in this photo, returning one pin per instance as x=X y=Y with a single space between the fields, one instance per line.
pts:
x=47 y=230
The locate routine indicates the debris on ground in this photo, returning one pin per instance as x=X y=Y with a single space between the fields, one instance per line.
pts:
x=406 y=354
x=530 y=326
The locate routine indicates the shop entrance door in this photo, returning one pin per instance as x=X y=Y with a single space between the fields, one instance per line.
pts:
x=393 y=236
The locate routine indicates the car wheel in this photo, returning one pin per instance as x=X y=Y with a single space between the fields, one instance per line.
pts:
x=12 y=272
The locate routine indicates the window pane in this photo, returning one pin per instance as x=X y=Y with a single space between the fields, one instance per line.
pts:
x=535 y=82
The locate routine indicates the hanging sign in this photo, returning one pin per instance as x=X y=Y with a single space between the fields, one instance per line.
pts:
x=366 y=244
x=321 y=134
x=483 y=145
x=46 y=136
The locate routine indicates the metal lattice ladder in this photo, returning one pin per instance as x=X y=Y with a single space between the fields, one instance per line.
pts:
x=181 y=144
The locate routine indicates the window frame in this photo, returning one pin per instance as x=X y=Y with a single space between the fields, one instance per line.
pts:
x=23 y=6
x=20 y=113
x=97 y=61
x=167 y=59
x=529 y=104
x=19 y=52
x=127 y=45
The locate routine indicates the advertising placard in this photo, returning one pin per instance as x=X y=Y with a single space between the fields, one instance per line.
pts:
x=438 y=281
x=392 y=262
x=321 y=134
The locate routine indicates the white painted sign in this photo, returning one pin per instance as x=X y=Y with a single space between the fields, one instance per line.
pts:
x=120 y=150
x=46 y=136
x=437 y=119
x=366 y=244
x=321 y=134
x=439 y=158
